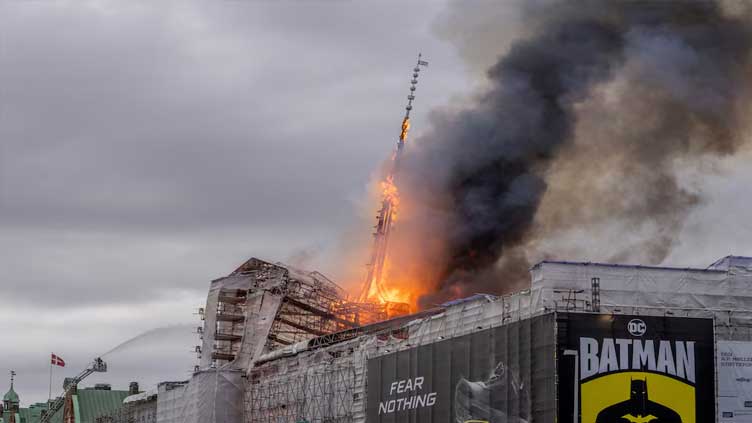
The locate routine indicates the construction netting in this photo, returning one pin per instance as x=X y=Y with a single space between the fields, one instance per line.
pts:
x=214 y=396
x=637 y=289
x=320 y=393
x=211 y=311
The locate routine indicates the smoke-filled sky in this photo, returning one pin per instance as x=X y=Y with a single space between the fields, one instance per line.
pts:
x=592 y=120
x=149 y=147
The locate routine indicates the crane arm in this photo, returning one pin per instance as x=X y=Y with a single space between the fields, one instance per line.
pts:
x=98 y=365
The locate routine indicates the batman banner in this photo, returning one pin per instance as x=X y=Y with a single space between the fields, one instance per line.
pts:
x=635 y=369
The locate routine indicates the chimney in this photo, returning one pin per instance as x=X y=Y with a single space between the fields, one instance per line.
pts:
x=133 y=388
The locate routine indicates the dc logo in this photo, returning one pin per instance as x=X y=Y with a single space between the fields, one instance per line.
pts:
x=637 y=327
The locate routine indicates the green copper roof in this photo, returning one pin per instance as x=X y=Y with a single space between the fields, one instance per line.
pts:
x=93 y=403
x=33 y=414
x=11 y=395
x=57 y=417
x=88 y=404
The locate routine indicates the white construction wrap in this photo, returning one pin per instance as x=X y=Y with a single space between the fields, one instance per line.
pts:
x=211 y=396
x=734 y=382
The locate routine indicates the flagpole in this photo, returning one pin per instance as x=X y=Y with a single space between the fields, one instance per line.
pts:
x=49 y=397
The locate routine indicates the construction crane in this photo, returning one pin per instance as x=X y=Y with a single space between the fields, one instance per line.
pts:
x=373 y=285
x=98 y=365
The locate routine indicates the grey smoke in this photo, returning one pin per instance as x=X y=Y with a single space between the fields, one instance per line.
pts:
x=586 y=122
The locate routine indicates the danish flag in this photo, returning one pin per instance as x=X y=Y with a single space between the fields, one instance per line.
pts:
x=57 y=361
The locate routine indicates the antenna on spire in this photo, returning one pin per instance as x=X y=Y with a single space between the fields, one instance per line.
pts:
x=12 y=378
x=410 y=98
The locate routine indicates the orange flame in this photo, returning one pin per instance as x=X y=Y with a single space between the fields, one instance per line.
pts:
x=403 y=285
x=405 y=128
x=390 y=193
x=401 y=281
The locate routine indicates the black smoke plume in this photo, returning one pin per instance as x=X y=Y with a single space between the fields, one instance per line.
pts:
x=585 y=122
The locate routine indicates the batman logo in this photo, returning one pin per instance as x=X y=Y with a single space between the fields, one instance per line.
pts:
x=638 y=408
x=639 y=419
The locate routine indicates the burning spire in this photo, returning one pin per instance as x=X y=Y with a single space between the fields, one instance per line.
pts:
x=373 y=289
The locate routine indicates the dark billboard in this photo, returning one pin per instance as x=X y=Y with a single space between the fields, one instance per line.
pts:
x=498 y=375
x=635 y=369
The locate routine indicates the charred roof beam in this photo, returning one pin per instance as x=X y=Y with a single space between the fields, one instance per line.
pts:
x=322 y=313
x=279 y=340
x=303 y=328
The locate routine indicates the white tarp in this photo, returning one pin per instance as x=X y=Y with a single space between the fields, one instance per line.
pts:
x=734 y=382
x=626 y=288
x=211 y=396
x=210 y=313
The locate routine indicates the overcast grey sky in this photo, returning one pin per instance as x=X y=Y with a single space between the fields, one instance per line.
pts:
x=149 y=147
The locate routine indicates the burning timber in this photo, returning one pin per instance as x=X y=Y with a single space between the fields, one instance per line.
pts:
x=284 y=345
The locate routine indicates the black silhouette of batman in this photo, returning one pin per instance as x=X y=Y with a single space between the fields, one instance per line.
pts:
x=638 y=408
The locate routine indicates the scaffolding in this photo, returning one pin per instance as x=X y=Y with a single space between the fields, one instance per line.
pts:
x=230 y=323
x=297 y=305
x=321 y=394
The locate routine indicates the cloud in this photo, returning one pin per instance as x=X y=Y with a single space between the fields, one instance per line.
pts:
x=149 y=147
x=87 y=332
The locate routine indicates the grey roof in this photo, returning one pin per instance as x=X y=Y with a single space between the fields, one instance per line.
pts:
x=729 y=262
x=711 y=268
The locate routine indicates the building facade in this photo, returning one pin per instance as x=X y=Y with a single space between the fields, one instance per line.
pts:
x=587 y=343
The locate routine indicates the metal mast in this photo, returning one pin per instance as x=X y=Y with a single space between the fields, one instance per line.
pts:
x=372 y=286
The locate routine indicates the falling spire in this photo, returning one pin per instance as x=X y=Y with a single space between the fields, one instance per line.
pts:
x=373 y=285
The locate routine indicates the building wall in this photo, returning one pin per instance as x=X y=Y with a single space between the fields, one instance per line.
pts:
x=649 y=289
x=143 y=411
x=284 y=387
x=170 y=401
x=210 y=314
x=210 y=396
x=331 y=383
x=314 y=388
